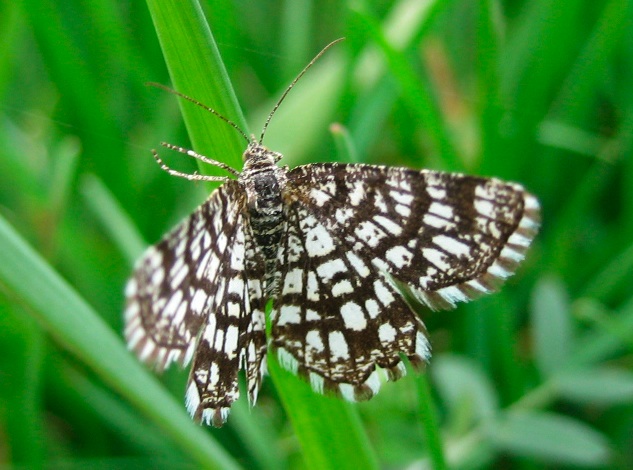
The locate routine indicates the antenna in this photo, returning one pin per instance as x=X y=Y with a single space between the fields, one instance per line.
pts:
x=261 y=137
x=203 y=106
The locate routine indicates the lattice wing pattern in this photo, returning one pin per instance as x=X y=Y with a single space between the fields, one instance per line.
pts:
x=448 y=236
x=335 y=319
x=191 y=296
x=233 y=336
x=355 y=231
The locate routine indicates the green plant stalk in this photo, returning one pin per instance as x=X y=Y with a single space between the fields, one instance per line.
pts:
x=489 y=112
x=430 y=423
x=113 y=218
x=345 y=148
x=329 y=429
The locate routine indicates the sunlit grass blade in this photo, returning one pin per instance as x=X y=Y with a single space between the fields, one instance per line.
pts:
x=197 y=70
x=299 y=124
x=344 y=145
x=296 y=29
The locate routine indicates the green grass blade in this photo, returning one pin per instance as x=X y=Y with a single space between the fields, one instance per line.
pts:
x=76 y=327
x=297 y=17
x=345 y=148
x=23 y=414
x=116 y=415
x=299 y=124
x=329 y=429
x=580 y=85
x=430 y=423
x=488 y=98
x=414 y=93
x=611 y=275
x=113 y=218
x=611 y=332
x=196 y=69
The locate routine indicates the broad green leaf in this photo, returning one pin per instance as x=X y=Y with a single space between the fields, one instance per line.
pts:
x=603 y=386
x=550 y=438
x=464 y=388
x=552 y=333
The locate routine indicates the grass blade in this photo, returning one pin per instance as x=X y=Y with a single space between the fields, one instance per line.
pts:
x=414 y=93
x=196 y=69
x=328 y=429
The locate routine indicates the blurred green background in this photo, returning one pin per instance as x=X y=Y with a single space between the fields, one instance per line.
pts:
x=539 y=92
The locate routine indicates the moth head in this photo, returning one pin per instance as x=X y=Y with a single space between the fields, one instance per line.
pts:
x=257 y=156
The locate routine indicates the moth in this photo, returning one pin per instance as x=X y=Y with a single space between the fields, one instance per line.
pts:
x=334 y=247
